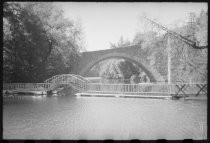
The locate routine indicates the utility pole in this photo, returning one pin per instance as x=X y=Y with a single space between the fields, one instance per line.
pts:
x=169 y=58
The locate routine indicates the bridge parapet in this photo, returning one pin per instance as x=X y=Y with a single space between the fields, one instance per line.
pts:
x=131 y=50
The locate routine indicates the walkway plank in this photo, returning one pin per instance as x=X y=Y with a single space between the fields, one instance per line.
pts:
x=121 y=95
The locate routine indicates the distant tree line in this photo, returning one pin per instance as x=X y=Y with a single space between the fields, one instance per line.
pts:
x=38 y=42
x=187 y=64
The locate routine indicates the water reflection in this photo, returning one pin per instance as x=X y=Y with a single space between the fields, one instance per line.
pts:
x=70 y=117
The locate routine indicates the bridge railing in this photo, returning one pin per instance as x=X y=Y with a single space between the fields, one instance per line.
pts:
x=65 y=77
x=78 y=82
x=128 y=88
x=27 y=86
x=81 y=77
x=85 y=86
x=150 y=88
x=57 y=81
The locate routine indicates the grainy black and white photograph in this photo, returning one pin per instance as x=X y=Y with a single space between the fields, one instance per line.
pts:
x=105 y=70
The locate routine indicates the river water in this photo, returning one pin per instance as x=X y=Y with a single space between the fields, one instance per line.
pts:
x=71 y=117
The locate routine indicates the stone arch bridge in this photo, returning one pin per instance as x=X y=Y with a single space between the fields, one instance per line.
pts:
x=132 y=53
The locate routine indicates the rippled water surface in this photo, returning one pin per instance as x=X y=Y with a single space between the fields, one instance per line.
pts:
x=71 y=117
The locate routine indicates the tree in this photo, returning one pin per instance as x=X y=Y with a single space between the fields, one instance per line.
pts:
x=128 y=69
x=113 y=68
x=38 y=40
x=118 y=68
x=154 y=47
x=191 y=64
x=186 y=63
x=202 y=28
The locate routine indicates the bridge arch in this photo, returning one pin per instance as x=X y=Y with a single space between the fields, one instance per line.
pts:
x=151 y=73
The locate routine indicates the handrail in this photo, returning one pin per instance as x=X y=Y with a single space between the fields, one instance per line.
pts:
x=26 y=86
x=48 y=80
x=129 y=88
x=147 y=88
x=69 y=75
x=81 y=77
x=78 y=83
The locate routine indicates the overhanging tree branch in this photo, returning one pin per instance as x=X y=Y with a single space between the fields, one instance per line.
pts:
x=176 y=35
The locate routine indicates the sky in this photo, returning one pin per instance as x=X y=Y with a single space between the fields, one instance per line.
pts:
x=105 y=23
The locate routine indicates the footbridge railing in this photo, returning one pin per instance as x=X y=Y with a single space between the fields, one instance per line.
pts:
x=77 y=82
x=83 y=85
x=128 y=88
x=176 y=89
x=27 y=86
x=65 y=77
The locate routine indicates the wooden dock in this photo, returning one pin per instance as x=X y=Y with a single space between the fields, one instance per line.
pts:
x=25 y=92
x=123 y=95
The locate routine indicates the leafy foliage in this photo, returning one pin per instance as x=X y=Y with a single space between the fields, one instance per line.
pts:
x=120 y=68
x=38 y=41
x=192 y=65
x=187 y=64
x=155 y=50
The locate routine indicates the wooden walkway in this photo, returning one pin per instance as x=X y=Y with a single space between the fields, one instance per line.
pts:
x=123 y=95
x=85 y=87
